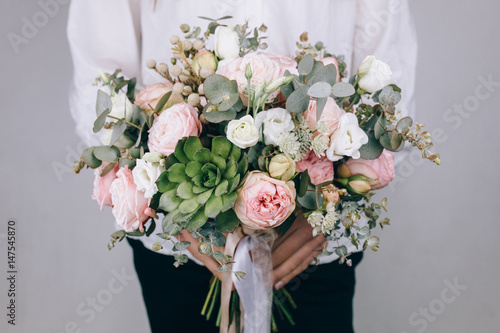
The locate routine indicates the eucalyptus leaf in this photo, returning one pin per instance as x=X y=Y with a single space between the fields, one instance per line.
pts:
x=342 y=89
x=320 y=106
x=327 y=74
x=220 y=90
x=118 y=130
x=306 y=65
x=103 y=102
x=107 y=154
x=404 y=124
x=162 y=102
x=89 y=158
x=299 y=100
x=100 y=121
x=320 y=90
x=372 y=149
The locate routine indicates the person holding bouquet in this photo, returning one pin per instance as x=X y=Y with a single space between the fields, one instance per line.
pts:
x=105 y=35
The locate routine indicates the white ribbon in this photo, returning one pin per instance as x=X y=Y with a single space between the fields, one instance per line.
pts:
x=253 y=256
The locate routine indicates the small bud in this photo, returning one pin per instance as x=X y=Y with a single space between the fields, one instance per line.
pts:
x=177 y=88
x=343 y=171
x=153 y=157
x=174 y=39
x=347 y=223
x=157 y=247
x=187 y=90
x=263 y=28
x=304 y=37
x=175 y=70
x=194 y=99
x=360 y=186
x=185 y=28
x=162 y=68
x=198 y=44
x=188 y=45
x=248 y=72
x=189 y=61
x=151 y=63
x=173 y=61
x=263 y=46
x=206 y=72
x=277 y=83
x=200 y=90
x=183 y=78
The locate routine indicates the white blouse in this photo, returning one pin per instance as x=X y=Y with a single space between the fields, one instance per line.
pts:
x=111 y=34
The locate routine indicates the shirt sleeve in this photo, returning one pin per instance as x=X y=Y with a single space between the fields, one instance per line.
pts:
x=385 y=29
x=103 y=35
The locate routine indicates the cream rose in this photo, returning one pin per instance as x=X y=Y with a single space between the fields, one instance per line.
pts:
x=242 y=132
x=264 y=202
x=347 y=139
x=374 y=74
x=275 y=121
x=178 y=121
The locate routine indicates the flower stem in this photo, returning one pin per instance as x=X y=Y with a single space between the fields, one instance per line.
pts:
x=126 y=122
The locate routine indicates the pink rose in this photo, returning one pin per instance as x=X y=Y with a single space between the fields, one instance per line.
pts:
x=130 y=207
x=334 y=61
x=264 y=202
x=102 y=184
x=379 y=170
x=265 y=68
x=149 y=98
x=331 y=115
x=319 y=169
x=171 y=125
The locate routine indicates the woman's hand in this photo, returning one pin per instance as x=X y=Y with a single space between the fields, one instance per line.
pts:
x=294 y=251
x=208 y=261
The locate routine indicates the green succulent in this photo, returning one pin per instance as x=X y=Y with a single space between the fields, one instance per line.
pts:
x=200 y=183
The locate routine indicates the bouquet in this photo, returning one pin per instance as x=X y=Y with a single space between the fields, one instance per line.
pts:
x=235 y=144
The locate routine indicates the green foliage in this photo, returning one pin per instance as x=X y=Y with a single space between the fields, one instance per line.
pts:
x=201 y=183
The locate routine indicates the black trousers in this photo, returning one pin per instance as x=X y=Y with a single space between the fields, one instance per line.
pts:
x=174 y=297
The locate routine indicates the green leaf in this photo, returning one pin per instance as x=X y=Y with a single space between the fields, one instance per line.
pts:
x=100 y=121
x=317 y=67
x=189 y=205
x=221 y=188
x=107 y=169
x=107 y=154
x=308 y=200
x=306 y=65
x=176 y=173
x=203 y=197
x=162 y=102
x=327 y=74
x=151 y=228
x=213 y=206
x=103 y=102
x=197 y=221
x=228 y=200
x=191 y=146
x=219 y=161
x=235 y=152
x=298 y=101
x=320 y=90
x=243 y=165
x=203 y=156
x=227 y=221
x=89 y=158
x=185 y=190
x=320 y=106
x=179 y=151
x=233 y=183
x=385 y=141
x=181 y=246
x=380 y=126
x=220 y=90
x=169 y=201
x=164 y=184
x=168 y=225
x=193 y=168
x=219 y=116
x=171 y=160
x=118 y=130
x=221 y=146
x=372 y=149
x=342 y=89
x=231 y=169
x=286 y=90
x=126 y=162
x=404 y=124
x=396 y=139
x=304 y=183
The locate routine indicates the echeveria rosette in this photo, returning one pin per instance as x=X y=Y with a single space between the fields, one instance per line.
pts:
x=200 y=183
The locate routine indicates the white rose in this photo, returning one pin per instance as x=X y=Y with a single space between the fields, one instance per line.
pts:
x=122 y=107
x=242 y=132
x=374 y=74
x=227 y=43
x=145 y=176
x=275 y=121
x=347 y=139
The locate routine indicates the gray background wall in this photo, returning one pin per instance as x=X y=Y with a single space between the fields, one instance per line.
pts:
x=444 y=219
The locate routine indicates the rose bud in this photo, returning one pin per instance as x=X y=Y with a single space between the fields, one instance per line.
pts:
x=330 y=194
x=204 y=58
x=282 y=167
x=343 y=171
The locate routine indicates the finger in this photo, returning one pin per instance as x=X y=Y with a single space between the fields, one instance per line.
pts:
x=298 y=223
x=299 y=261
x=293 y=244
x=210 y=263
